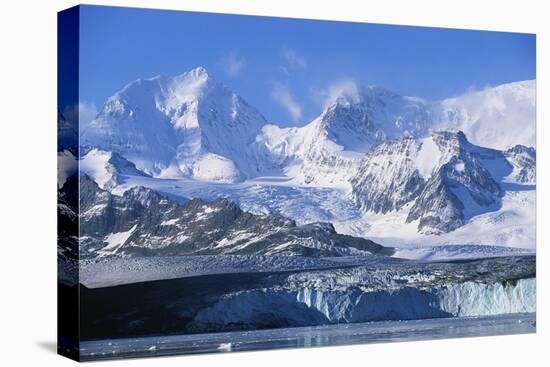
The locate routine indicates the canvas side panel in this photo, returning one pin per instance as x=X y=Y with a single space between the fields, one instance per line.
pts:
x=68 y=329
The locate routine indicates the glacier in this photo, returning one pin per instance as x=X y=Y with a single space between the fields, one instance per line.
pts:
x=286 y=294
x=451 y=300
x=346 y=298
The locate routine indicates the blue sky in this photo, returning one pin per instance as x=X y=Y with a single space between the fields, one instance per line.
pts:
x=287 y=67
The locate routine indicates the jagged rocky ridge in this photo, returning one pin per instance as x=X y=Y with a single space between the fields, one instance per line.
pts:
x=523 y=160
x=142 y=222
x=445 y=179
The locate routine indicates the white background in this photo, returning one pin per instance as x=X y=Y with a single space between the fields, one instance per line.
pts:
x=28 y=182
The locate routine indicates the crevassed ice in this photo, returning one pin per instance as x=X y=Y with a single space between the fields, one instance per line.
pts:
x=463 y=299
x=477 y=299
x=315 y=306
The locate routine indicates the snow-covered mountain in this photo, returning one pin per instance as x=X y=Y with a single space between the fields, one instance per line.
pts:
x=499 y=117
x=377 y=150
x=445 y=179
x=327 y=150
x=371 y=115
x=193 y=126
x=523 y=160
x=188 y=125
x=107 y=168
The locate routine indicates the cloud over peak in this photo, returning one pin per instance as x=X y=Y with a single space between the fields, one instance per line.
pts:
x=282 y=95
x=293 y=59
x=344 y=88
x=232 y=64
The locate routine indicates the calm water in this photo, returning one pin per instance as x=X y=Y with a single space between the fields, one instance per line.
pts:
x=340 y=334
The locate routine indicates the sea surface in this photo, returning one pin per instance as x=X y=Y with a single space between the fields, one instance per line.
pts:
x=317 y=336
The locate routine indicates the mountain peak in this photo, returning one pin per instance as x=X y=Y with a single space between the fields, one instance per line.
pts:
x=349 y=94
x=199 y=71
x=359 y=117
x=200 y=124
x=191 y=83
x=448 y=135
x=198 y=75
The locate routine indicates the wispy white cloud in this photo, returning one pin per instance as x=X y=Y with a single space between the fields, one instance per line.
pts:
x=343 y=88
x=282 y=95
x=83 y=113
x=233 y=64
x=293 y=59
x=284 y=70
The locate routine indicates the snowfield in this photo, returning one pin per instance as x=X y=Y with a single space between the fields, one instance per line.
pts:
x=512 y=225
x=498 y=117
x=458 y=252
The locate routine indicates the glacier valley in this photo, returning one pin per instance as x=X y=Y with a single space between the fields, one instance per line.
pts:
x=196 y=215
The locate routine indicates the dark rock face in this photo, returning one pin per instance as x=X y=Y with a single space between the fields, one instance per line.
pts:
x=142 y=222
x=437 y=207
